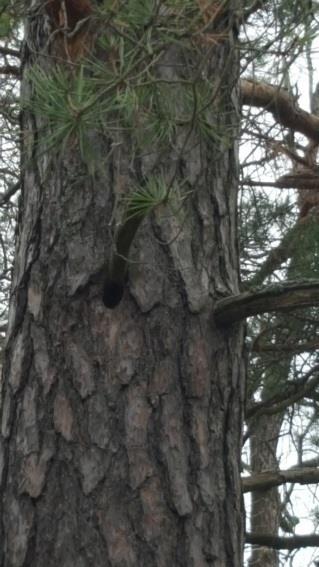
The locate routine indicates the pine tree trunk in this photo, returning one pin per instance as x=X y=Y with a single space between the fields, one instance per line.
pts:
x=265 y=508
x=121 y=428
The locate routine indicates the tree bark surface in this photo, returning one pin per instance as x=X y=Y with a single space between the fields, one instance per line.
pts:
x=265 y=504
x=121 y=429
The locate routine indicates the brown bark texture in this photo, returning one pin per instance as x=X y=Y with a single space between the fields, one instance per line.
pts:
x=265 y=504
x=121 y=428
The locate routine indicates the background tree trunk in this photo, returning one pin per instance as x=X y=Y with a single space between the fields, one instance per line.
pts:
x=265 y=509
x=121 y=429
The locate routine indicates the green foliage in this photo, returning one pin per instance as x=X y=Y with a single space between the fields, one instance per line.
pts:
x=296 y=13
x=263 y=221
x=130 y=92
x=135 y=93
x=137 y=13
x=288 y=522
x=6 y=25
x=68 y=104
x=129 y=95
x=155 y=193
x=174 y=19
x=7 y=19
x=144 y=199
x=305 y=263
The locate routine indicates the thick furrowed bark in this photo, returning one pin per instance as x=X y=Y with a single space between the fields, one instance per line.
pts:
x=121 y=429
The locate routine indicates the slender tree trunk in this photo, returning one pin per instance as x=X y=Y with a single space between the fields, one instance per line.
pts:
x=121 y=428
x=266 y=512
x=265 y=509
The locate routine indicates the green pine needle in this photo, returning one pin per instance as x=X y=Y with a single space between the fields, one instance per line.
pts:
x=145 y=199
x=67 y=103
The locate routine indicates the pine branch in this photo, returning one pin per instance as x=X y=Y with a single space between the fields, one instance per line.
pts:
x=8 y=52
x=309 y=463
x=282 y=106
x=277 y=297
x=10 y=70
x=276 y=542
x=269 y=479
x=281 y=253
x=297 y=348
x=292 y=394
x=276 y=257
x=5 y=197
x=298 y=181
